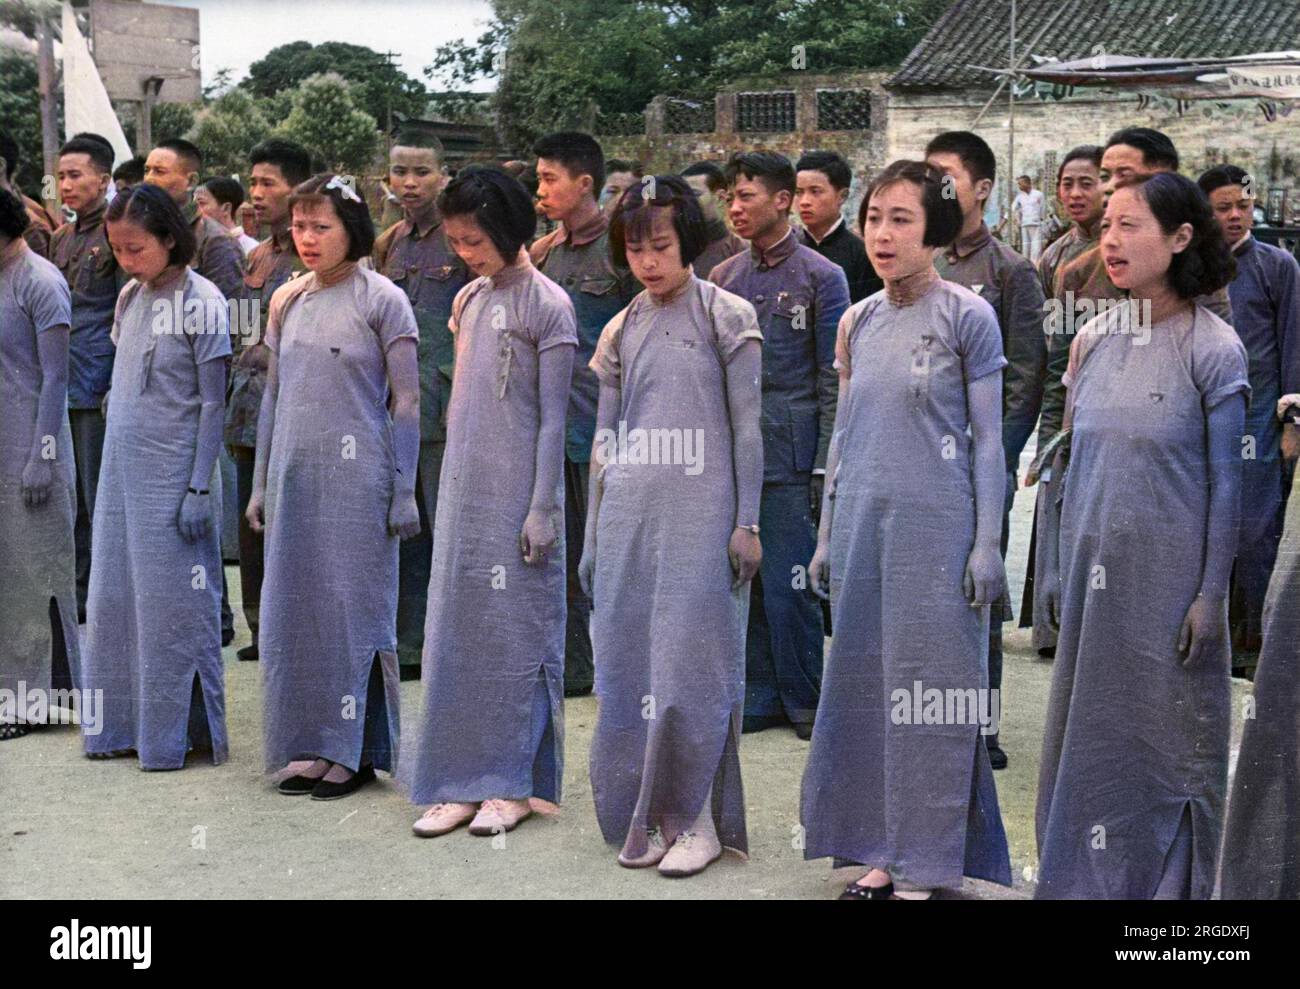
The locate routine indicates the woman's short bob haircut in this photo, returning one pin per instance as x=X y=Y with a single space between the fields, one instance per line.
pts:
x=633 y=217
x=13 y=215
x=1206 y=264
x=942 y=211
x=153 y=210
x=348 y=205
x=498 y=203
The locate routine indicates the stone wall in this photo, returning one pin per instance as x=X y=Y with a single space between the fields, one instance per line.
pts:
x=1205 y=134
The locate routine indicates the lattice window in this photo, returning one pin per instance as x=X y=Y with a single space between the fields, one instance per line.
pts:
x=620 y=124
x=687 y=116
x=765 y=112
x=843 y=109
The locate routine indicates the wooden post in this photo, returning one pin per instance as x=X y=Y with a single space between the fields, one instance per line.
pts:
x=49 y=117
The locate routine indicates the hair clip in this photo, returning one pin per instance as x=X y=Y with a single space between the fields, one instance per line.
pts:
x=343 y=187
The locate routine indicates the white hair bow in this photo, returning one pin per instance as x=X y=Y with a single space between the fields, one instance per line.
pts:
x=343 y=187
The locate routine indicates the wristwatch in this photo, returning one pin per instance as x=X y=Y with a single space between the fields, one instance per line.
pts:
x=749 y=528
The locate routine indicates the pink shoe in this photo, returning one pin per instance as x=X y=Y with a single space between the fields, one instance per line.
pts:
x=443 y=818
x=499 y=816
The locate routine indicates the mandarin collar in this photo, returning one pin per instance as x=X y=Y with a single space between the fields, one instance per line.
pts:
x=12 y=251
x=514 y=272
x=965 y=246
x=91 y=217
x=1242 y=246
x=835 y=228
x=432 y=222
x=775 y=254
x=587 y=232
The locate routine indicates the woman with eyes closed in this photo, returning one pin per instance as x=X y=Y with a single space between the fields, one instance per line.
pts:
x=153 y=615
x=672 y=542
x=492 y=731
x=908 y=552
x=334 y=487
x=1135 y=751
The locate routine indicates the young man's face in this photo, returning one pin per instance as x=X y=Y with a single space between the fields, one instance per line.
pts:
x=1024 y=184
x=817 y=200
x=269 y=192
x=1080 y=191
x=1234 y=210
x=166 y=169
x=755 y=210
x=415 y=177
x=81 y=183
x=561 y=192
x=1120 y=161
x=616 y=183
x=710 y=205
x=970 y=193
x=208 y=206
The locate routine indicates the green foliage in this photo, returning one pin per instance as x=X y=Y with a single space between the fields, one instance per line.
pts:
x=20 y=115
x=556 y=61
x=375 y=82
x=227 y=129
x=326 y=119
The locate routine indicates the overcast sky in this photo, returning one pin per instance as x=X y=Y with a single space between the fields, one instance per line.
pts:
x=236 y=33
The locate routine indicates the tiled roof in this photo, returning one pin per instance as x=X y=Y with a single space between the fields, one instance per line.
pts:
x=974 y=32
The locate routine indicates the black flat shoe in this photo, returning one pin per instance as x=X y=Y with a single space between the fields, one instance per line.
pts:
x=324 y=790
x=409 y=672
x=9 y=732
x=760 y=722
x=803 y=731
x=855 y=891
x=227 y=637
x=577 y=691
x=997 y=758
x=248 y=653
x=296 y=786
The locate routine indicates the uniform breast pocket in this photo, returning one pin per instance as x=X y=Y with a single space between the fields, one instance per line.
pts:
x=788 y=351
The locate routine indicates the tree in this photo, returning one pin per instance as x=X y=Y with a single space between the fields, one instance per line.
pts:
x=326 y=119
x=227 y=130
x=619 y=54
x=20 y=115
x=376 y=83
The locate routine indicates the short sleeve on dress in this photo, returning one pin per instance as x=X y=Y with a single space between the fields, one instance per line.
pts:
x=391 y=315
x=843 y=348
x=48 y=301
x=734 y=322
x=212 y=339
x=280 y=301
x=606 y=362
x=554 y=323
x=1219 y=363
x=124 y=298
x=979 y=341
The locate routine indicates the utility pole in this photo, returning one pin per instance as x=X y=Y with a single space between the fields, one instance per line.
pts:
x=388 y=58
x=1011 y=119
x=49 y=118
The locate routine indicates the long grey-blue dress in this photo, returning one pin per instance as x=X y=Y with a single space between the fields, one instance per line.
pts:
x=882 y=787
x=36 y=551
x=1135 y=747
x=328 y=638
x=668 y=631
x=493 y=669
x=1261 y=839
x=153 y=615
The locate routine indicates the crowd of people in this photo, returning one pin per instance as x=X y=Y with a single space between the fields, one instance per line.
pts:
x=661 y=452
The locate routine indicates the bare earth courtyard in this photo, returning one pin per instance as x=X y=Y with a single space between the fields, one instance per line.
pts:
x=74 y=828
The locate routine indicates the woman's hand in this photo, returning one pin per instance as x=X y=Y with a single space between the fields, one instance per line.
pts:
x=403 y=515
x=538 y=536
x=984 y=576
x=255 y=511
x=745 y=553
x=195 y=517
x=587 y=565
x=819 y=571
x=1205 y=629
x=38 y=479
